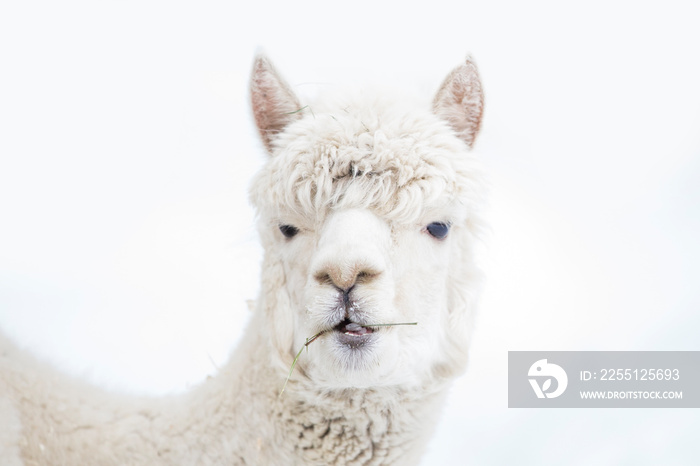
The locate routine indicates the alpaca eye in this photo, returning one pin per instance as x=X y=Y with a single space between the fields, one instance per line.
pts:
x=289 y=231
x=438 y=230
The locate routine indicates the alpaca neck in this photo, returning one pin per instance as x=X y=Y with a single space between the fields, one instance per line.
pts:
x=359 y=426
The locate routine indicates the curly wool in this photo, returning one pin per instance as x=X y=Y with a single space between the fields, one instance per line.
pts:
x=372 y=153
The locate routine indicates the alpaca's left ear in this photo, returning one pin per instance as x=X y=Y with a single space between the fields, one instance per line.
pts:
x=274 y=104
x=460 y=101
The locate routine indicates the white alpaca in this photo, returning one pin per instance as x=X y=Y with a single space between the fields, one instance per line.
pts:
x=368 y=212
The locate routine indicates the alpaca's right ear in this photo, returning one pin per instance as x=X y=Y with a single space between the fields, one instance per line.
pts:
x=274 y=103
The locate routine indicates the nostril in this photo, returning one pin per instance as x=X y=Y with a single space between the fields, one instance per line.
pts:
x=323 y=278
x=365 y=276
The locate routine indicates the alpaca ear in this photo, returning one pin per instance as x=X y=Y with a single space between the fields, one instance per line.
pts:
x=274 y=104
x=460 y=101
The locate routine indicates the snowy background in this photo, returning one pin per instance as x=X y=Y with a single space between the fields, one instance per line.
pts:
x=127 y=249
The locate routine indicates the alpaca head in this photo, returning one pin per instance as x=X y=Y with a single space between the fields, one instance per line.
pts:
x=368 y=212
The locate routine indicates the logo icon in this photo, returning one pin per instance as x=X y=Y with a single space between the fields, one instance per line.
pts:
x=547 y=371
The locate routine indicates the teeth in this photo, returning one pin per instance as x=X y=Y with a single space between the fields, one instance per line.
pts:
x=353 y=327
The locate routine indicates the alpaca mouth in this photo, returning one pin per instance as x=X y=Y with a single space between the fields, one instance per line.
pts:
x=348 y=327
x=352 y=334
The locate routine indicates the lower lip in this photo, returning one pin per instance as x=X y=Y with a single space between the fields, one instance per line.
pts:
x=353 y=341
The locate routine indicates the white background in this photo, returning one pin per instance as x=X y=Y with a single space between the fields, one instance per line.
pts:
x=126 y=242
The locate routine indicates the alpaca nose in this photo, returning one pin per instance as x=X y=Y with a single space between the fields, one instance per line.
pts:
x=346 y=277
x=352 y=249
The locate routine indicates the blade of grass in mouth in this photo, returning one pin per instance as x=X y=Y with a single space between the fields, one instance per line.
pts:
x=313 y=338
